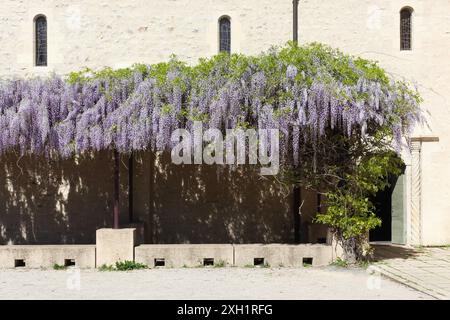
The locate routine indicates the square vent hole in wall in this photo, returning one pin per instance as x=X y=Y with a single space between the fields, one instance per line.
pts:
x=208 y=262
x=307 y=261
x=19 y=263
x=160 y=262
x=258 y=262
x=69 y=262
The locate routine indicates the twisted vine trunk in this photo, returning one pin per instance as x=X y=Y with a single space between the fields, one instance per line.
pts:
x=355 y=249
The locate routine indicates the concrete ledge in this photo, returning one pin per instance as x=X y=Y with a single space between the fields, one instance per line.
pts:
x=115 y=245
x=185 y=255
x=46 y=256
x=285 y=255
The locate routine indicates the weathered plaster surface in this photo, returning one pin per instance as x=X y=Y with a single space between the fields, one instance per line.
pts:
x=119 y=33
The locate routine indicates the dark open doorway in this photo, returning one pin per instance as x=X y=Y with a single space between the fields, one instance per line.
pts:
x=389 y=208
x=383 y=209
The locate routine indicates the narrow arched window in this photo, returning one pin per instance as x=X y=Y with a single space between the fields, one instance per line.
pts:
x=40 y=25
x=405 y=29
x=225 y=34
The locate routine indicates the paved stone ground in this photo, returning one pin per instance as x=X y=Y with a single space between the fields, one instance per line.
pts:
x=203 y=283
x=424 y=269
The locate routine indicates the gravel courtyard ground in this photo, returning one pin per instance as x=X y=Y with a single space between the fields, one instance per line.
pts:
x=202 y=283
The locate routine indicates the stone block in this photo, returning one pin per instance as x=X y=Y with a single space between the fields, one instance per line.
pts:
x=185 y=255
x=46 y=256
x=115 y=245
x=285 y=255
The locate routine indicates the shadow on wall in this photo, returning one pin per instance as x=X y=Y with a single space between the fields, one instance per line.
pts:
x=65 y=201
x=209 y=204
x=54 y=202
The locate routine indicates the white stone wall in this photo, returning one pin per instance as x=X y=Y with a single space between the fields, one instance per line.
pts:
x=116 y=33
x=370 y=29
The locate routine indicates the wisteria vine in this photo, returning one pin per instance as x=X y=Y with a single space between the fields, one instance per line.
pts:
x=301 y=90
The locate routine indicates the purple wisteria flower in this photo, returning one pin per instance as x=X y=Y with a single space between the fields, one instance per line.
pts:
x=139 y=112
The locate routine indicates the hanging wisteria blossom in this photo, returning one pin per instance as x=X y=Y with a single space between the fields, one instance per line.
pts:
x=303 y=91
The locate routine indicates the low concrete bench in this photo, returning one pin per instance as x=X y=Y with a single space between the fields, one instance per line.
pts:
x=46 y=256
x=171 y=255
x=286 y=255
x=184 y=255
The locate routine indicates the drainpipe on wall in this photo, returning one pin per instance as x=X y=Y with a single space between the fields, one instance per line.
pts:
x=130 y=188
x=297 y=192
x=295 y=21
x=116 y=207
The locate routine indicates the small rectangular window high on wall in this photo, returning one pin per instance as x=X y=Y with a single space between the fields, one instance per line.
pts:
x=405 y=29
x=224 y=34
x=40 y=41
